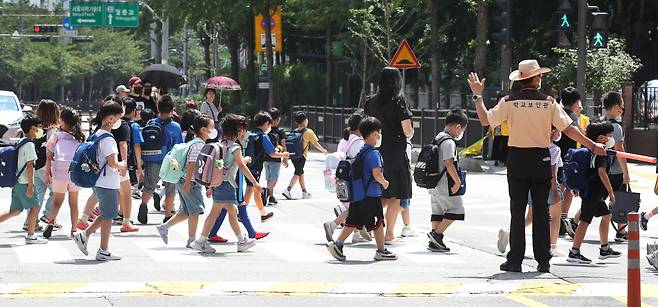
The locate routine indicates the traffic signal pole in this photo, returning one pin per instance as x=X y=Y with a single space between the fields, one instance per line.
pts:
x=582 y=49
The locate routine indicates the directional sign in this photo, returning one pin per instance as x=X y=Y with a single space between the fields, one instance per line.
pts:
x=404 y=58
x=66 y=24
x=104 y=14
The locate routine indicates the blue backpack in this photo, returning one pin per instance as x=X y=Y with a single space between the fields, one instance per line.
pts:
x=255 y=147
x=295 y=144
x=84 y=169
x=578 y=164
x=9 y=164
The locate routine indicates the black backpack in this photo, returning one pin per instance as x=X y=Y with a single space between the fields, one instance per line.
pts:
x=349 y=171
x=426 y=172
x=154 y=140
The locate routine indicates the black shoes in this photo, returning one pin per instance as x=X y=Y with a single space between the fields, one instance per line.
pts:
x=544 y=267
x=142 y=215
x=509 y=267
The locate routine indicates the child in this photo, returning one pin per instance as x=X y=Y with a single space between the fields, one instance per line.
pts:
x=135 y=170
x=446 y=207
x=234 y=127
x=366 y=207
x=123 y=138
x=107 y=185
x=599 y=188
x=308 y=138
x=273 y=165
x=259 y=148
x=172 y=136
x=23 y=194
x=191 y=197
x=61 y=148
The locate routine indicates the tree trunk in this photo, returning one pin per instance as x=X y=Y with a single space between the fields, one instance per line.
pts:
x=251 y=56
x=234 y=50
x=434 y=43
x=205 y=43
x=270 y=53
x=481 y=38
x=328 y=95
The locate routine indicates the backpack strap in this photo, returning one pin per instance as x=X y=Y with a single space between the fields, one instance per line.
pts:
x=304 y=148
x=445 y=169
x=97 y=140
x=18 y=146
x=351 y=143
x=360 y=157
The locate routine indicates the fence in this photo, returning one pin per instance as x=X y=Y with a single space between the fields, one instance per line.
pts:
x=645 y=107
x=329 y=123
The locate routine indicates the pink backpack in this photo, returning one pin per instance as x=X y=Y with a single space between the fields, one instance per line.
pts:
x=211 y=169
x=64 y=150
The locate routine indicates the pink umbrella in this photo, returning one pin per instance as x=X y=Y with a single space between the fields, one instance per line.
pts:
x=222 y=83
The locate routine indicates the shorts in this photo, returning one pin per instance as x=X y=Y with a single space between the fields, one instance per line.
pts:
x=272 y=170
x=593 y=207
x=19 y=201
x=108 y=202
x=63 y=186
x=366 y=213
x=224 y=194
x=191 y=203
x=405 y=203
x=299 y=166
x=550 y=197
x=256 y=173
x=152 y=177
x=446 y=207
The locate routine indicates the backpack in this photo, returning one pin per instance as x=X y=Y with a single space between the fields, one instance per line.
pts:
x=211 y=170
x=9 y=164
x=154 y=140
x=426 y=172
x=174 y=163
x=295 y=144
x=63 y=155
x=255 y=147
x=40 y=147
x=84 y=168
x=577 y=166
x=346 y=173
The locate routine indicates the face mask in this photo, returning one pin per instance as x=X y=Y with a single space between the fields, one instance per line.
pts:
x=138 y=89
x=379 y=141
x=39 y=133
x=460 y=136
x=618 y=118
x=116 y=125
x=610 y=143
x=147 y=92
x=243 y=140
x=212 y=134
x=268 y=130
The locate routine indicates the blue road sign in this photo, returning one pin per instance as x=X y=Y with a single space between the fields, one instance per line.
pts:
x=66 y=24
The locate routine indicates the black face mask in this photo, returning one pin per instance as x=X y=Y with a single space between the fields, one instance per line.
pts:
x=147 y=91
x=137 y=89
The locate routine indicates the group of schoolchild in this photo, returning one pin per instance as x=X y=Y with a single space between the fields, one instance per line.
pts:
x=203 y=154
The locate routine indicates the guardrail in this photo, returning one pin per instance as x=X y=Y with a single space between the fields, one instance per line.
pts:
x=329 y=123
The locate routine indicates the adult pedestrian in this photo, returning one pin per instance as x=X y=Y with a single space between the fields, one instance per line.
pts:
x=122 y=91
x=212 y=107
x=390 y=107
x=147 y=97
x=530 y=115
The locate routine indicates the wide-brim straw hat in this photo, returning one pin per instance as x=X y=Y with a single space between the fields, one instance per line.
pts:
x=528 y=69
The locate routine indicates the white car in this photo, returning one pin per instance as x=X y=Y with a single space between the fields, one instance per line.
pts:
x=11 y=115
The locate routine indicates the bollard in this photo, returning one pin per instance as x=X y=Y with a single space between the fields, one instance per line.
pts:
x=634 y=292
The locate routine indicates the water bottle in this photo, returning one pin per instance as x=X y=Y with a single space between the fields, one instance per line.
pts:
x=329 y=182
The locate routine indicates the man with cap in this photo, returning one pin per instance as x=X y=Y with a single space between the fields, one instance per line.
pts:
x=530 y=115
x=122 y=91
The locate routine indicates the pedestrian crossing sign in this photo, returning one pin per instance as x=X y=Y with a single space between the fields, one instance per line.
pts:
x=404 y=57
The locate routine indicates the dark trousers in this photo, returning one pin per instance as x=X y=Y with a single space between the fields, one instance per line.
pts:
x=529 y=169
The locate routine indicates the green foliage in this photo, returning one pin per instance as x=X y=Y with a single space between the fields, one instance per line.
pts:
x=297 y=85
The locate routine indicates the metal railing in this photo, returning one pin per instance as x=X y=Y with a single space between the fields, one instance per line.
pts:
x=329 y=123
x=645 y=107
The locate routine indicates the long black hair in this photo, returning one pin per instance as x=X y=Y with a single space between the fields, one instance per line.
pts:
x=352 y=124
x=199 y=122
x=187 y=121
x=70 y=117
x=108 y=109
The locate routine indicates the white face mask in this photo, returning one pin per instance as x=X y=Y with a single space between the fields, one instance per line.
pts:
x=116 y=125
x=460 y=136
x=243 y=139
x=212 y=134
x=379 y=142
x=610 y=143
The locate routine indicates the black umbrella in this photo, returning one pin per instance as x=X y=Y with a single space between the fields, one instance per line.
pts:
x=163 y=76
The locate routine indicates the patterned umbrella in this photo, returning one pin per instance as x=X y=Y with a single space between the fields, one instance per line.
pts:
x=222 y=83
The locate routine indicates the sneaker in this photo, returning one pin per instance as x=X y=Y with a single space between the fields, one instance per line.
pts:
x=245 y=244
x=652 y=247
x=608 y=253
x=117 y=221
x=163 y=231
x=57 y=227
x=44 y=219
x=652 y=260
x=335 y=251
x=136 y=194
x=142 y=215
x=437 y=248
x=556 y=252
x=156 y=201
x=385 y=255
x=129 y=228
x=35 y=240
x=570 y=225
x=271 y=200
x=503 y=240
x=82 y=225
x=644 y=221
x=286 y=194
x=338 y=210
x=544 y=267
x=563 y=229
x=306 y=195
x=365 y=234
x=80 y=239
x=203 y=247
x=577 y=257
x=189 y=243
x=357 y=238
x=408 y=231
x=329 y=228
x=49 y=231
x=260 y=235
x=510 y=267
x=217 y=239
x=102 y=255
x=266 y=217
x=437 y=240
x=621 y=237
x=38 y=227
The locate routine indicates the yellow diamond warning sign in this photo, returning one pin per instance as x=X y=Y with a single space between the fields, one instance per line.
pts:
x=404 y=58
